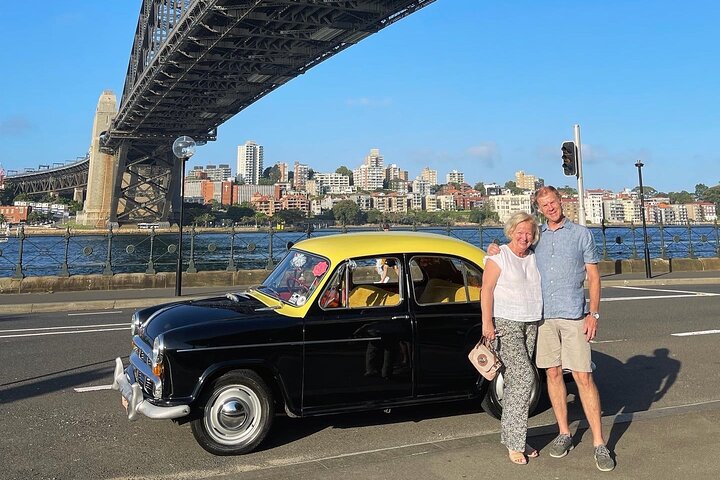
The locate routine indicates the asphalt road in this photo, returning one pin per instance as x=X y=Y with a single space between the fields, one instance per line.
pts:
x=656 y=353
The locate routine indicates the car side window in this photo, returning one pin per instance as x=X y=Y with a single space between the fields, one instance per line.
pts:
x=371 y=282
x=440 y=279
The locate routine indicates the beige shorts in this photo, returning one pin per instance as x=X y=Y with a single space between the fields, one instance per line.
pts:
x=562 y=342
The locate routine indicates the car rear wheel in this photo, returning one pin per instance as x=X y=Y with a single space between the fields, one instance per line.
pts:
x=237 y=411
x=492 y=402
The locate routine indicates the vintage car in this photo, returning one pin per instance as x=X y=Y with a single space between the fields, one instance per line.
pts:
x=322 y=334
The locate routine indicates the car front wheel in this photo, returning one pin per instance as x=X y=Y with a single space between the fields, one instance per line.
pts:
x=492 y=402
x=237 y=410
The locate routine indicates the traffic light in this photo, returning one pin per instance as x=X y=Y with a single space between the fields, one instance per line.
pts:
x=569 y=158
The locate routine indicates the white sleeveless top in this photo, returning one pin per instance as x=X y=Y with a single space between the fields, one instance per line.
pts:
x=518 y=295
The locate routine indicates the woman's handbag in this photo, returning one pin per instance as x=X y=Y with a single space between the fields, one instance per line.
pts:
x=485 y=359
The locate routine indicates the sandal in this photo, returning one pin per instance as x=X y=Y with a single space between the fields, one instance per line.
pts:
x=517 y=458
x=531 y=452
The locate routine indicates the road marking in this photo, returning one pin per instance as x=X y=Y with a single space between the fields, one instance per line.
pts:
x=113 y=312
x=92 y=389
x=658 y=297
x=689 y=292
x=40 y=334
x=37 y=329
x=699 y=332
x=608 y=341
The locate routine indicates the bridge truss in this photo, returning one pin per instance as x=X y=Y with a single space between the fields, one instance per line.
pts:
x=50 y=180
x=197 y=63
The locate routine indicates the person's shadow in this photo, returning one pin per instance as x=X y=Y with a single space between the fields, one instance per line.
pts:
x=627 y=388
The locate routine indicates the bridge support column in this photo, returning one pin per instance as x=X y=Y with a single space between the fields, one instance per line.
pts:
x=103 y=167
x=79 y=194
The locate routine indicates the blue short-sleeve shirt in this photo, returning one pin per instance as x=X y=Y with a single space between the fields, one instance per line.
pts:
x=561 y=257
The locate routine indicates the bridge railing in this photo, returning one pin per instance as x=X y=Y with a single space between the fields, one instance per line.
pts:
x=75 y=252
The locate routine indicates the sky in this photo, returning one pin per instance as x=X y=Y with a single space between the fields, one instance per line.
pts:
x=484 y=87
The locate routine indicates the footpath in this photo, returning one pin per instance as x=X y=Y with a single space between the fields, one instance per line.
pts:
x=137 y=298
x=667 y=443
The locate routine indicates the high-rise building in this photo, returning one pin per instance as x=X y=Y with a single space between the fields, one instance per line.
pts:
x=429 y=176
x=301 y=173
x=455 y=177
x=283 y=170
x=370 y=175
x=526 y=182
x=250 y=162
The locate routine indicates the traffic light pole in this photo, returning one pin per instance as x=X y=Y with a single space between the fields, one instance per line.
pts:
x=581 y=190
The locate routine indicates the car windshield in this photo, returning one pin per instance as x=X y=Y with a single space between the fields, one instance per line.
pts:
x=296 y=277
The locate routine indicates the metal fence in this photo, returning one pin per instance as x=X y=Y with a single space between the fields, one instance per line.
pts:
x=74 y=253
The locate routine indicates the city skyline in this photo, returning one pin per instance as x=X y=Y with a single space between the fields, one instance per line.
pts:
x=494 y=89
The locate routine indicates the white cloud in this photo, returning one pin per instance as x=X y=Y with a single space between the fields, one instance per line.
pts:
x=486 y=152
x=14 y=126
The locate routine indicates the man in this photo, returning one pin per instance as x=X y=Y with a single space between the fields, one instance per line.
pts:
x=566 y=256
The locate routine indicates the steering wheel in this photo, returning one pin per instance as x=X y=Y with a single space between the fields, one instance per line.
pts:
x=296 y=283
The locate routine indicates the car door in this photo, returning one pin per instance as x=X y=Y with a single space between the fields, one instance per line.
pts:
x=446 y=308
x=357 y=339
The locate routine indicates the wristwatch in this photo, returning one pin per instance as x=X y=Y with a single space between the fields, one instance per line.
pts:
x=595 y=314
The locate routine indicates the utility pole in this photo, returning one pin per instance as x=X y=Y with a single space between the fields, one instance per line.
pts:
x=581 y=189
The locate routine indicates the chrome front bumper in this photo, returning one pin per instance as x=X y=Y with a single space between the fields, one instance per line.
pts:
x=136 y=402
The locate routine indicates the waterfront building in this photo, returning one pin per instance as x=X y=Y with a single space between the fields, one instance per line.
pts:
x=250 y=162
x=331 y=183
x=422 y=186
x=445 y=202
x=15 y=214
x=507 y=204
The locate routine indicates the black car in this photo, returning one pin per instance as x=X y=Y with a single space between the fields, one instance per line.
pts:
x=344 y=323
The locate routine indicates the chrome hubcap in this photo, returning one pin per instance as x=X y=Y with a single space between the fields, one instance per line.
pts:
x=232 y=415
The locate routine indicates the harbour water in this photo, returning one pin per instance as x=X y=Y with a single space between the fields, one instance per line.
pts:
x=77 y=253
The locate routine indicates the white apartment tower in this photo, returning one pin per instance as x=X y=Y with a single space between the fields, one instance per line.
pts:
x=455 y=177
x=250 y=162
x=370 y=175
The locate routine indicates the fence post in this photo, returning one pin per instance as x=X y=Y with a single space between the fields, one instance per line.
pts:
x=717 y=239
x=64 y=267
x=691 y=251
x=603 y=226
x=231 y=264
x=191 y=265
x=634 y=247
x=18 y=269
x=270 y=264
x=151 y=266
x=108 y=258
x=663 y=251
x=480 y=229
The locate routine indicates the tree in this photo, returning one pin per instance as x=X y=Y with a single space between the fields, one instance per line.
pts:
x=647 y=190
x=700 y=190
x=237 y=212
x=480 y=187
x=512 y=186
x=290 y=216
x=346 y=212
x=205 y=218
x=343 y=170
x=483 y=214
x=681 y=197
x=712 y=195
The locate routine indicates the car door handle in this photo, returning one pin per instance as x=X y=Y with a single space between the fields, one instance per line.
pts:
x=400 y=317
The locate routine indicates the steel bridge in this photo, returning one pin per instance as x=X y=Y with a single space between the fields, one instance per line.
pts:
x=197 y=63
x=50 y=179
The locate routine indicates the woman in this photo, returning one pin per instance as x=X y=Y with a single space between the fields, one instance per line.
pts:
x=511 y=302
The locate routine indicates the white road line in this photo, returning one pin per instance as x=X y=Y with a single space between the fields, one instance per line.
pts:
x=609 y=341
x=699 y=332
x=63 y=333
x=92 y=389
x=113 y=312
x=658 y=297
x=690 y=292
x=37 y=329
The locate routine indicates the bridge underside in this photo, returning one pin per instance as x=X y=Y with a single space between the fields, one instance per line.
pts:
x=197 y=63
x=55 y=180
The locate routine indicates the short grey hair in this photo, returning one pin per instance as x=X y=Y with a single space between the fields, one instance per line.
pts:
x=516 y=219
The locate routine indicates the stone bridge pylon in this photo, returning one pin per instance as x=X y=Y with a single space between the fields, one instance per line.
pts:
x=102 y=169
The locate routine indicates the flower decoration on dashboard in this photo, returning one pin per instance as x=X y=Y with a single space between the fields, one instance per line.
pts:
x=299 y=260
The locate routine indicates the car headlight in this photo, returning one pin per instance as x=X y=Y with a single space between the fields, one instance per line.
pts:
x=134 y=324
x=158 y=353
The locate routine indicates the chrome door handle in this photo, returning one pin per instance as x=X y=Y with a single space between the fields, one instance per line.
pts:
x=400 y=317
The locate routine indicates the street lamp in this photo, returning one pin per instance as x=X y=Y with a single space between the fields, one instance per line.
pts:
x=648 y=271
x=183 y=148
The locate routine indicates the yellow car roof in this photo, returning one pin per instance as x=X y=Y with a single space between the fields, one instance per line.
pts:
x=351 y=245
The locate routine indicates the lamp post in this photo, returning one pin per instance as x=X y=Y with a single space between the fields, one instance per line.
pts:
x=183 y=148
x=648 y=271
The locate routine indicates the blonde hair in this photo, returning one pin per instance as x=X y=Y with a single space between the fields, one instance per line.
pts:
x=516 y=219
